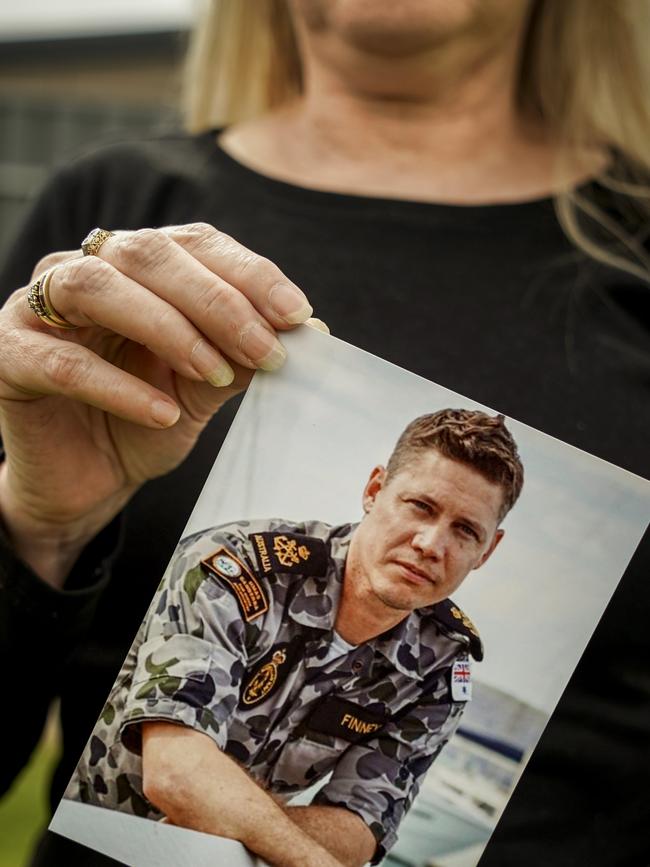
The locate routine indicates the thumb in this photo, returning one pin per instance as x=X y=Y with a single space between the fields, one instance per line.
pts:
x=318 y=324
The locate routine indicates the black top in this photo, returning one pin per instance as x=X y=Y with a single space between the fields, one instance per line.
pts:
x=491 y=301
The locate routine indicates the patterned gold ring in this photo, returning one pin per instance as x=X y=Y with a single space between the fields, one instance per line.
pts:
x=94 y=240
x=38 y=298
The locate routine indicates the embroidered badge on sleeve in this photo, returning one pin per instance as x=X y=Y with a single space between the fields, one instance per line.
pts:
x=250 y=595
x=266 y=676
x=265 y=679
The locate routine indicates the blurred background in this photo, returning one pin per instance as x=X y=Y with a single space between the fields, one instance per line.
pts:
x=74 y=74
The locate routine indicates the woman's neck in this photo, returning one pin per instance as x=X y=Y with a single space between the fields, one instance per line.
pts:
x=451 y=133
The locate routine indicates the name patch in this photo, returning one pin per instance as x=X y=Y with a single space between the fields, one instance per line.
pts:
x=290 y=552
x=250 y=595
x=344 y=719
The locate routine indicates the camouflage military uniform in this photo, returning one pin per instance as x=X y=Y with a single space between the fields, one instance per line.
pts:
x=236 y=645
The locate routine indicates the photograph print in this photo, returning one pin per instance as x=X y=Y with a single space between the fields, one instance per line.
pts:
x=374 y=606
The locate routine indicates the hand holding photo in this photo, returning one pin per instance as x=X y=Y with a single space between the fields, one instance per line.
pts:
x=305 y=632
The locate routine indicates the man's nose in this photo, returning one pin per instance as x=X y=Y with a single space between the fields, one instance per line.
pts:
x=431 y=541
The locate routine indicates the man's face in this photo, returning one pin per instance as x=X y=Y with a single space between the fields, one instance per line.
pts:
x=424 y=530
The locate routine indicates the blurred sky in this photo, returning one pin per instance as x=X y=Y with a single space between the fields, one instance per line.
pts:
x=36 y=19
x=306 y=438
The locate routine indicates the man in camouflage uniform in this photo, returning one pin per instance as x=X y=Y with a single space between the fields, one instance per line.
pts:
x=304 y=649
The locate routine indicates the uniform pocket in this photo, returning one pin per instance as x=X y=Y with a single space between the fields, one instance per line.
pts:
x=305 y=761
x=163 y=666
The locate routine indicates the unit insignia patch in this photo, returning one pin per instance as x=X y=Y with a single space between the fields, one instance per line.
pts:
x=250 y=594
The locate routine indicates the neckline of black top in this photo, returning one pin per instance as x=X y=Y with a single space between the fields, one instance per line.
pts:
x=347 y=203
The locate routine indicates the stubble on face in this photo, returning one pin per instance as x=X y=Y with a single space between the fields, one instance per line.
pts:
x=425 y=529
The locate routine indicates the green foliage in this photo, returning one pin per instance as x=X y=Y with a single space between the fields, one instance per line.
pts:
x=24 y=810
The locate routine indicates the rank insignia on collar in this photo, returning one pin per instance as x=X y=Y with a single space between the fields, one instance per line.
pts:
x=460 y=615
x=453 y=620
x=290 y=552
x=238 y=577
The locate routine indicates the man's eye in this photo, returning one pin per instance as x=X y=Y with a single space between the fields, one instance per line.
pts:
x=421 y=506
x=468 y=531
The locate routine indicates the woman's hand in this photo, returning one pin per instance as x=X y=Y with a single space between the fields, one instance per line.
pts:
x=171 y=323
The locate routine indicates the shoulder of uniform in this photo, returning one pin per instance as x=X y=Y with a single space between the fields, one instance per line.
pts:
x=234 y=534
x=240 y=555
x=457 y=625
x=285 y=549
x=224 y=555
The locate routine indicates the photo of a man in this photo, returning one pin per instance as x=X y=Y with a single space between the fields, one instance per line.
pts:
x=275 y=653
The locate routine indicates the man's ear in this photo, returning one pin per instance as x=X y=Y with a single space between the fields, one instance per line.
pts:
x=498 y=536
x=373 y=486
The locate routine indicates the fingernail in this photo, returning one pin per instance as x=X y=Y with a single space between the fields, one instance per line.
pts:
x=263 y=349
x=290 y=303
x=221 y=376
x=210 y=365
x=165 y=412
x=318 y=324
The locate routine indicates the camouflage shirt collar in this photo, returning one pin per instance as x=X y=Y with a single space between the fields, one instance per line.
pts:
x=317 y=600
x=401 y=646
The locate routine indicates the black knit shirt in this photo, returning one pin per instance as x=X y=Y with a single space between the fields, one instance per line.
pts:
x=491 y=301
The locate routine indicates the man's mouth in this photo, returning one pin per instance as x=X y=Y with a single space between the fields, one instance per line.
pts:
x=414 y=574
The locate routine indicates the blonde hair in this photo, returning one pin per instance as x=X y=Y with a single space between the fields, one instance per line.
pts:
x=584 y=74
x=243 y=60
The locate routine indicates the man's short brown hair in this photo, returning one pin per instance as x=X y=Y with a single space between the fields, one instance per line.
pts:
x=470 y=436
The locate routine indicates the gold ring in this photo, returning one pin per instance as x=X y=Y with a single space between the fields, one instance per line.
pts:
x=38 y=298
x=94 y=240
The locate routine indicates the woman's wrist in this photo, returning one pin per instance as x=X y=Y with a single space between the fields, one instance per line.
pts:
x=49 y=555
x=49 y=548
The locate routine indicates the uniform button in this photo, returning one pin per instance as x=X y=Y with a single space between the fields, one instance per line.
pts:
x=357 y=666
